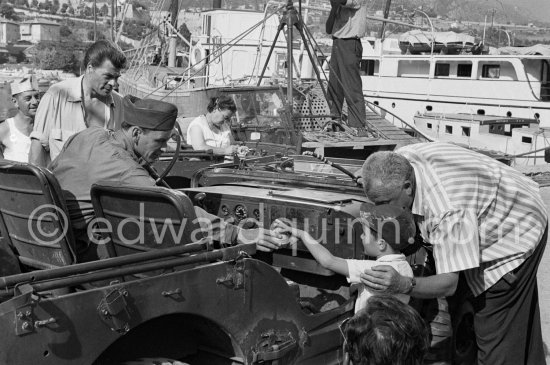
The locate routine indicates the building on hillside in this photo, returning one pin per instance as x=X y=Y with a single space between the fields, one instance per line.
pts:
x=191 y=19
x=39 y=30
x=131 y=12
x=103 y=8
x=9 y=31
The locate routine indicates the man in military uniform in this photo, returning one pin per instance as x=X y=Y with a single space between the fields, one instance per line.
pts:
x=96 y=154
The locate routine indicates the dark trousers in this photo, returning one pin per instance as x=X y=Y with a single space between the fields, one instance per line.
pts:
x=507 y=317
x=345 y=81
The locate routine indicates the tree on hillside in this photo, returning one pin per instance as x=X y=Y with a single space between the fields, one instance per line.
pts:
x=70 y=10
x=22 y=3
x=55 y=7
x=55 y=56
x=34 y=4
x=87 y=12
x=46 y=6
x=6 y=10
x=64 y=8
x=64 y=31
x=104 y=11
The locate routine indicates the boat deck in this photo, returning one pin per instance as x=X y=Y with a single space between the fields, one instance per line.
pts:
x=389 y=131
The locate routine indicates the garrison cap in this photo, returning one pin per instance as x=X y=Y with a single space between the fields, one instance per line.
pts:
x=392 y=223
x=149 y=113
x=28 y=83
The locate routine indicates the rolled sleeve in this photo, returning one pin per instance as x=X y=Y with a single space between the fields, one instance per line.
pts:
x=352 y=4
x=357 y=267
x=43 y=120
x=455 y=241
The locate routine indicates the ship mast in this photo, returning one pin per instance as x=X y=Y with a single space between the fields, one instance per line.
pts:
x=386 y=14
x=173 y=38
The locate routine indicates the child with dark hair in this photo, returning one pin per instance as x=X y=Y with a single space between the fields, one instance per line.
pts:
x=386 y=332
x=386 y=232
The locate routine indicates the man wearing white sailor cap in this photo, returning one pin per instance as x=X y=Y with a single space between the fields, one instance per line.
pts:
x=15 y=131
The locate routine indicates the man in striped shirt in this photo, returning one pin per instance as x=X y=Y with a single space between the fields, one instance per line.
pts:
x=487 y=225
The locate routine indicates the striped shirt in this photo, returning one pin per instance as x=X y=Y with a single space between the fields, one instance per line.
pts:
x=481 y=216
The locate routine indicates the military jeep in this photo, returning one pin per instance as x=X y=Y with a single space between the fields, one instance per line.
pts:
x=181 y=296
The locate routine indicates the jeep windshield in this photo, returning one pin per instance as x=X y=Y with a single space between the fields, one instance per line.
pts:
x=261 y=116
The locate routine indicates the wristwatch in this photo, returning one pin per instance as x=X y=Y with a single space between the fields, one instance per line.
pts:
x=413 y=285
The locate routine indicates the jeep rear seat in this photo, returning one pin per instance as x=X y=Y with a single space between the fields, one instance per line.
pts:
x=33 y=216
x=159 y=209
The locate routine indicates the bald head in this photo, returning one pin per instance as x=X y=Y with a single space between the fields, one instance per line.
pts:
x=384 y=174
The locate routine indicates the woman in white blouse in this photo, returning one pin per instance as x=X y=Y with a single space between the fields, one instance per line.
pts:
x=211 y=131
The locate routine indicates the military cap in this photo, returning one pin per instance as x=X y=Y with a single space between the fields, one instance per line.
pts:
x=149 y=113
x=392 y=223
x=27 y=83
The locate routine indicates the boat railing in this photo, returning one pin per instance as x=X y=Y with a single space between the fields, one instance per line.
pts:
x=397 y=121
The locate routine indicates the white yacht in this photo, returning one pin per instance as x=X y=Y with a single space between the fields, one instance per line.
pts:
x=504 y=85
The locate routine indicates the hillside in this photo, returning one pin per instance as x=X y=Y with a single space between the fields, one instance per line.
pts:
x=505 y=11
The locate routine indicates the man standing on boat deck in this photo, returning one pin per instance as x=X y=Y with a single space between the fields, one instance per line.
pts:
x=75 y=104
x=14 y=132
x=347 y=23
x=488 y=227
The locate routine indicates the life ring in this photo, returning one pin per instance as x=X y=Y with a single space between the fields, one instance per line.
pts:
x=198 y=56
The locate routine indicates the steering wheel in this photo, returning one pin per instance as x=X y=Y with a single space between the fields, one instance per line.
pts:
x=160 y=179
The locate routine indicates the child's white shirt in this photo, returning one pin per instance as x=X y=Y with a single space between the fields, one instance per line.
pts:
x=357 y=267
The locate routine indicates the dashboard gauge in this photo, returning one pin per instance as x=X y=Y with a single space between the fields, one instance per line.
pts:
x=257 y=214
x=241 y=212
x=225 y=210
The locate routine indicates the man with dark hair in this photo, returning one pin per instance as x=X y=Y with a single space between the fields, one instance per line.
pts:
x=96 y=154
x=73 y=105
x=387 y=331
x=488 y=226
x=347 y=23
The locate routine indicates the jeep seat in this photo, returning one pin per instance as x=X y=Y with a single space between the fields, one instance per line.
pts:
x=33 y=217
x=143 y=218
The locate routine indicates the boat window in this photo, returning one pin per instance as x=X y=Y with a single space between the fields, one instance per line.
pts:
x=526 y=139
x=416 y=68
x=442 y=69
x=464 y=70
x=448 y=129
x=368 y=67
x=490 y=71
x=429 y=125
x=510 y=127
x=496 y=129
x=466 y=131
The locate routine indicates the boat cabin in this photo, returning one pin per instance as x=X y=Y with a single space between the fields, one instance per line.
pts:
x=507 y=135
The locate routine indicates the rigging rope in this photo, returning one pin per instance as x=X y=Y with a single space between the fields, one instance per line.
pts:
x=229 y=45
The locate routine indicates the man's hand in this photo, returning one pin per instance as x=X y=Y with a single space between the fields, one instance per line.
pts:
x=385 y=279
